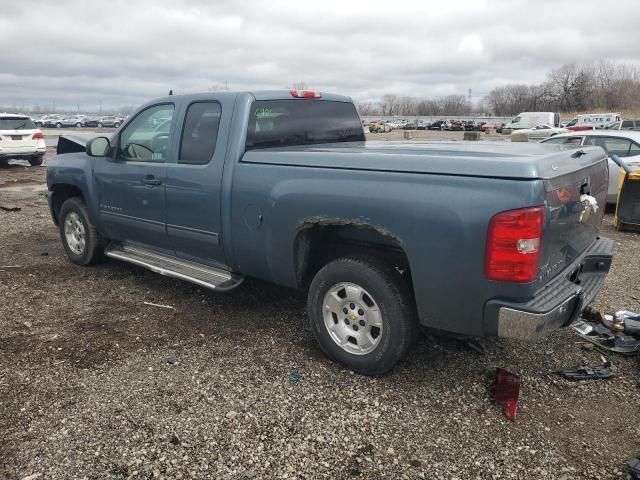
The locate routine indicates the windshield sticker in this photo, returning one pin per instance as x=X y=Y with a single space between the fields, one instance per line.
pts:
x=263 y=112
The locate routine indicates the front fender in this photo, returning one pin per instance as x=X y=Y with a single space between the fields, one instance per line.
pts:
x=74 y=171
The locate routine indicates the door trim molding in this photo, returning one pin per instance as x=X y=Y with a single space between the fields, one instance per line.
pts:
x=189 y=233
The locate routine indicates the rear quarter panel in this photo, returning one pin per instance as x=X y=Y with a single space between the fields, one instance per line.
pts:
x=440 y=221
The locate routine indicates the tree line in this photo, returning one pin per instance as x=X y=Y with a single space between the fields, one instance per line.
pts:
x=598 y=86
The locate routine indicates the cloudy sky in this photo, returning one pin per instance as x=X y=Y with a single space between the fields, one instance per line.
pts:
x=125 y=52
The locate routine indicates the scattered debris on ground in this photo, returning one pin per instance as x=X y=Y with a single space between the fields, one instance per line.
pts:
x=589 y=372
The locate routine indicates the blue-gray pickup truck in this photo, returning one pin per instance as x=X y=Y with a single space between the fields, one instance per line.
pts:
x=475 y=238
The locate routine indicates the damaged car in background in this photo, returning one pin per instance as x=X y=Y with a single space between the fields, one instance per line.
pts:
x=386 y=237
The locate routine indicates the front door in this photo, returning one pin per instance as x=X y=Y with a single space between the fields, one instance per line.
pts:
x=194 y=181
x=131 y=184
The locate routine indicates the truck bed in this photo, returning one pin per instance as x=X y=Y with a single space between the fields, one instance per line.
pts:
x=475 y=159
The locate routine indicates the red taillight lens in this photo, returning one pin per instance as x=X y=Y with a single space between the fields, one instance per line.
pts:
x=38 y=136
x=513 y=245
x=305 y=94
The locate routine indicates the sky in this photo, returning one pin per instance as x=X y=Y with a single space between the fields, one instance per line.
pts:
x=87 y=53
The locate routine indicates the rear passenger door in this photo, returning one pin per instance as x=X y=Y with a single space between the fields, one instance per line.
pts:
x=194 y=181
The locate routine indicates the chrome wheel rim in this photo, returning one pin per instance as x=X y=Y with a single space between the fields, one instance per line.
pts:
x=74 y=233
x=352 y=318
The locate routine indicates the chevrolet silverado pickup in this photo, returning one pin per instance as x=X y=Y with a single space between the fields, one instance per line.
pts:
x=482 y=239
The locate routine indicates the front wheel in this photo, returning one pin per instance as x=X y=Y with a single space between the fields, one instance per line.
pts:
x=362 y=314
x=80 y=239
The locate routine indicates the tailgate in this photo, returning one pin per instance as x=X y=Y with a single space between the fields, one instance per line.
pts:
x=575 y=206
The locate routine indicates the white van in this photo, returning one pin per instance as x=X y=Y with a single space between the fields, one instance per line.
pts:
x=594 y=120
x=531 y=119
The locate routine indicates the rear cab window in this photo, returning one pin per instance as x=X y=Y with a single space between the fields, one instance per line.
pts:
x=284 y=123
x=200 y=133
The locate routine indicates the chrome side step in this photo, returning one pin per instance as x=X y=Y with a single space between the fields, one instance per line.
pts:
x=203 y=275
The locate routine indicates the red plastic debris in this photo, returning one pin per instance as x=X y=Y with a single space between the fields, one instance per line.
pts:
x=505 y=391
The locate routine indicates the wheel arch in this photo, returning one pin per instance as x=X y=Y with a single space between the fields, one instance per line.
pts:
x=319 y=241
x=59 y=194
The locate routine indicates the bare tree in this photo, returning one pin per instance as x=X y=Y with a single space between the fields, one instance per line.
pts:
x=367 y=108
x=389 y=105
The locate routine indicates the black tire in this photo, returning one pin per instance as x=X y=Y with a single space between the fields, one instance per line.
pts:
x=78 y=125
x=100 y=125
x=58 y=125
x=36 y=161
x=116 y=125
x=94 y=244
x=389 y=290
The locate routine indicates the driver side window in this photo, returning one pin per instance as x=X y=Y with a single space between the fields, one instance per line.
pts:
x=146 y=138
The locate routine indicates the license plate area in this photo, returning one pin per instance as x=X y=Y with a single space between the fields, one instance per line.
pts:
x=16 y=137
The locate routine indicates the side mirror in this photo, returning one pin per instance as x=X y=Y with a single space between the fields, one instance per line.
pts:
x=98 y=147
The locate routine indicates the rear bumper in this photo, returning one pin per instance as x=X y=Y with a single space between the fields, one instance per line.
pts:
x=558 y=303
x=22 y=152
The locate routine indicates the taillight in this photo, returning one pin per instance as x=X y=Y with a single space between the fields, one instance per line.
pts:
x=305 y=94
x=513 y=245
x=37 y=136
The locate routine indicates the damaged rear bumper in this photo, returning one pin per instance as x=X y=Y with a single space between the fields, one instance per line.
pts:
x=558 y=303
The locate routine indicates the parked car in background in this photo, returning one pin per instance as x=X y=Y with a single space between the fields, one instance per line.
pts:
x=379 y=127
x=109 y=121
x=437 y=125
x=396 y=124
x=63 y=122
x=626 y=124
x=492 y=125
x=624 y=144
x=422 y=125
x=48 y=121
x=532 y=119
x=540 y=131
x=591 y=121
x=90 y=122
x=21 y=138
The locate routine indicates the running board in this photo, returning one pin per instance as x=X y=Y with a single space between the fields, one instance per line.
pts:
x=203 y=275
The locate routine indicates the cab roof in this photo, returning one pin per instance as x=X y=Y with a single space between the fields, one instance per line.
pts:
x=257 y=94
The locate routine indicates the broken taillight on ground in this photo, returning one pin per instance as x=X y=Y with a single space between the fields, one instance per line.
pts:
x=505 y=391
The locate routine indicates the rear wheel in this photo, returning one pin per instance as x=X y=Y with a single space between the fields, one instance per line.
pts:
x=116 y=125
x=35 y=161
x=78 y=125
x=362 y=314
x=100 y=125
x=58 y=125
x=80 y=239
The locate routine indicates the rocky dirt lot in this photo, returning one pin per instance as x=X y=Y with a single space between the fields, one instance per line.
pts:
x=94 y=384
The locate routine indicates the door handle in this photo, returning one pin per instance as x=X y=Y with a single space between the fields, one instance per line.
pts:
x=151 y=180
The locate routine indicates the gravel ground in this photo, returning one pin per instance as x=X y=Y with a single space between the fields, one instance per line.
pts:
x=95 y=384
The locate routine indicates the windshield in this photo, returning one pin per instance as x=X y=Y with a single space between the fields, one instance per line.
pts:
x=283 y=123
x=16 y=123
